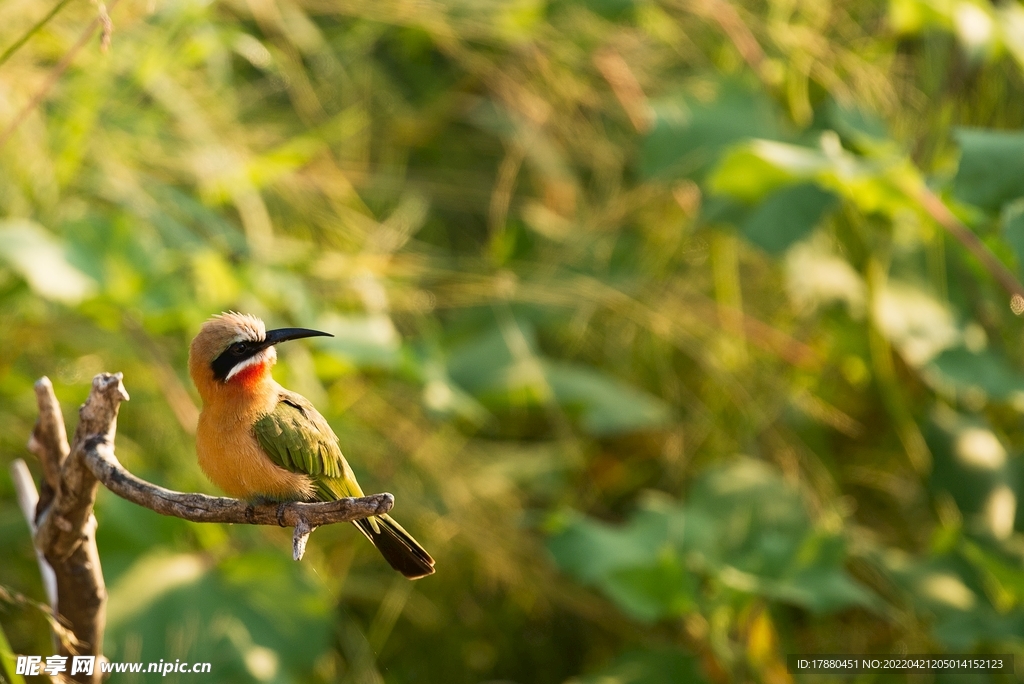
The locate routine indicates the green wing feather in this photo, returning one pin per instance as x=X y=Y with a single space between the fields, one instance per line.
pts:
x=296 y=437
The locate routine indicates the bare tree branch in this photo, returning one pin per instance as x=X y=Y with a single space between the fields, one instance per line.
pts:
x=49 y=443
x=100 y=458
x=66 y=533
x=28 y=501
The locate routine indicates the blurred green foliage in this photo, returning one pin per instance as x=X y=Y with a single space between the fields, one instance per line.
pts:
x=641 y=311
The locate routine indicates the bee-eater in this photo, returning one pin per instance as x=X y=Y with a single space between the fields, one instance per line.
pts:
x=258 y=441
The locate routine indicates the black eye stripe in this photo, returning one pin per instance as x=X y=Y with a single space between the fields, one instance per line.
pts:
x=231 y=357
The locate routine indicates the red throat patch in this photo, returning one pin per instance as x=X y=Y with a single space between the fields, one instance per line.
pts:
x=249 y=377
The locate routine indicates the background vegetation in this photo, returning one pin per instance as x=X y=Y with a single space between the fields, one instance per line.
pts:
x=642 y=310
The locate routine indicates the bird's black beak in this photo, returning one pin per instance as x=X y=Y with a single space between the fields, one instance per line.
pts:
x=285 y=334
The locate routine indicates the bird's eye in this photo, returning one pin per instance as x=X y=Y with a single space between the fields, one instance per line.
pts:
x=238 y=348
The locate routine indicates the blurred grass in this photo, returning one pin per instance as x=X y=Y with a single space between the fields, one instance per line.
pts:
x=651 y=276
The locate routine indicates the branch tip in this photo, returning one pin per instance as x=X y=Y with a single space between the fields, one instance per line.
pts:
x=299 y=538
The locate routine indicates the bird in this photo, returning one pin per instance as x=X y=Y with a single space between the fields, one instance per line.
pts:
x=260 y=442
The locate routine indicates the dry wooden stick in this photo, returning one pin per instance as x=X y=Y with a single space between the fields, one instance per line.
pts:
x=66 y=532
x=99 y=457
x=66 y=526
x=28 y=501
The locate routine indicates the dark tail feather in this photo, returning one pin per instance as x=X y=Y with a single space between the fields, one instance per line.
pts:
x=397 y=546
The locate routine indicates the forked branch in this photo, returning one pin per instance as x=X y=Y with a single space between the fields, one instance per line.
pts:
x=64 y=525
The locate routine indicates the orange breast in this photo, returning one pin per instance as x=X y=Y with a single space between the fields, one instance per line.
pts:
x=233 y=459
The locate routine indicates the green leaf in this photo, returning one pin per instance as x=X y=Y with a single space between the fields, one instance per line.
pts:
x=591 y=549
x=652 y=592
x=1003 y=568
x=722 y=209
x=41 y=260
x=973 y=466
x=947 y=589
x=689 y=134
x=759 y=521
x=991 y=169
x=746 y=175
x=610 y=9
x=479 y=364
x=254 y=614
x=743 y=526
x=8 y=661
x=786 y=216
x=986 y=370
x=855 y=124
x=602 y=404
x=752 y=170
x=369 y=340
x=827 y=589
x=606 y=405
x=963 y=631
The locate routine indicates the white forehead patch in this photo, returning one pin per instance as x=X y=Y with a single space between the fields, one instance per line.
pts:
x=246 y=327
